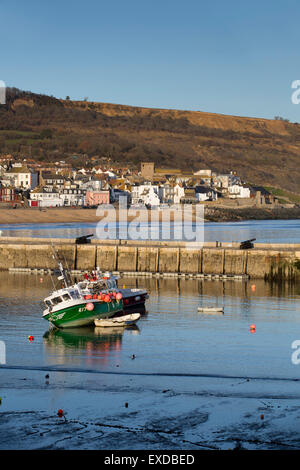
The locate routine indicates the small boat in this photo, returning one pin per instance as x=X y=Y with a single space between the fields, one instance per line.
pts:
x=124 y=320
x=211 y=309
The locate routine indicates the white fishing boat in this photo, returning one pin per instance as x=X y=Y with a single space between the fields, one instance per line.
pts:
x=124 y=320
x=211 y=309
x=73 y=305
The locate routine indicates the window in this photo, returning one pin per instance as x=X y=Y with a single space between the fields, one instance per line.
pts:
x=66 y=297
x=57 y=300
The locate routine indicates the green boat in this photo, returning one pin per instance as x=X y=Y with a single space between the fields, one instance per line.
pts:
x=73 y=306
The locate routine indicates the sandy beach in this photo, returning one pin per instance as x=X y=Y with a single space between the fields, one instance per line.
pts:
x=79 y=215
x=69 y=215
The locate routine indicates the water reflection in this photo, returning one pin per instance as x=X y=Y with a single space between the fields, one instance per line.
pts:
x=87 y=344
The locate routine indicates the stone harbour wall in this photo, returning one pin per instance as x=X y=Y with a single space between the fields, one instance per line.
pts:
x=264 y=261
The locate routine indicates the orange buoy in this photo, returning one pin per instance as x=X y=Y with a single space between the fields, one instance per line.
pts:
x=90 y=306
x=60 y=413
x=262 y=417
x=253 y=287
x=119 y=296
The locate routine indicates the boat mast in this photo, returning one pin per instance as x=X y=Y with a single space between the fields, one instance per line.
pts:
x=63 y=276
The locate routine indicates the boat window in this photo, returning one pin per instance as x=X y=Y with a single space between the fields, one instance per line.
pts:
x=66 y=297
x=48 y=303
x=75 y=295
x=57 y=300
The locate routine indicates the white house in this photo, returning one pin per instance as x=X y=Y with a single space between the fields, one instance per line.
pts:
x=45 y=197
x=178 y=193
x=73 y=195
x=238 y=191
x=146 y=194
x=205 y=193
x=22 y=177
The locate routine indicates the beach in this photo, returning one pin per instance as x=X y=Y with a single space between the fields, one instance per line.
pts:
x=22 y=215
x=79 y=215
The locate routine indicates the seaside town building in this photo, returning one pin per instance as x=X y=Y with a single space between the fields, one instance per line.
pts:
x=59 y=184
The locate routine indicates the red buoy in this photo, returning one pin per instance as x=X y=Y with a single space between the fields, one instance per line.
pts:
x=30 y=338
x=60 y=413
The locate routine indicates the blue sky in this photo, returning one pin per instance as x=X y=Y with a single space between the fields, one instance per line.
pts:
x=230 y=57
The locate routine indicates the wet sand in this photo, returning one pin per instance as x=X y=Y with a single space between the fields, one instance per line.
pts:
x=136 y=411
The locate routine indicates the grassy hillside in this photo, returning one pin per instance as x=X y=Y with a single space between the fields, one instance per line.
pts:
x=263 y=151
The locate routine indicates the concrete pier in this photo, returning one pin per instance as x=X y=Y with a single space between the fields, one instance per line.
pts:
x=221 y=260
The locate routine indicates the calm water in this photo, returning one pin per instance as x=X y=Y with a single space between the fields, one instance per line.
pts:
x=196 y=343
x=280 y=231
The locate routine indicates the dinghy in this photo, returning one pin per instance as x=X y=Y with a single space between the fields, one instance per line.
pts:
x=211 y=309
x=124 y=320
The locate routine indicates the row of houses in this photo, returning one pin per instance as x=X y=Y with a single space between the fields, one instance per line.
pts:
x=83 y=187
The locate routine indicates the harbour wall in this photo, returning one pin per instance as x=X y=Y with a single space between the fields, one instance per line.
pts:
x=263 y=261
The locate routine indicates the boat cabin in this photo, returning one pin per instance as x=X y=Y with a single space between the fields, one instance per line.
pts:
x=62 y=295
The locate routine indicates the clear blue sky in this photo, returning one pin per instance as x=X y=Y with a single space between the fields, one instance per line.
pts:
x=231 y=57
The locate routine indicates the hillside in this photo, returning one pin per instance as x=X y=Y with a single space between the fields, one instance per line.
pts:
x=262 y=151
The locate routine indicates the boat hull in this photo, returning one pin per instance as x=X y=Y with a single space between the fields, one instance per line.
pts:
x=133 y=297
x=79 y=315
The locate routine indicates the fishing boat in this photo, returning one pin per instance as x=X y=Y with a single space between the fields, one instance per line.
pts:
x=74 y=305
x=124 y=320
x=132 y=297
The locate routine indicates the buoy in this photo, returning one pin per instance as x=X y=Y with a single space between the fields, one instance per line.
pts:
x=90 y=306
x=60 y=413
x=262 y=417
x=106 y=298
x=126 y=405
x=30 y=338
x=252 y=327
x=41 y=279
x=119 y=296
x=253 y=287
